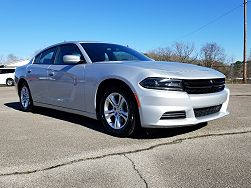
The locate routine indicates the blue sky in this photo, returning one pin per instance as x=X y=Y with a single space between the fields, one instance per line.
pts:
x=30 y=25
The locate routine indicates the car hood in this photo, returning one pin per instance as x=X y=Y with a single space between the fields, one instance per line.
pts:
x=176 y=69
x=166 y=66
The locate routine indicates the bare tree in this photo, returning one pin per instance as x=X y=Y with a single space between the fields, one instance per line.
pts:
x=11 y=58
x=212 y=53
x=161 y=54
x=183 y=52
x=1 y=59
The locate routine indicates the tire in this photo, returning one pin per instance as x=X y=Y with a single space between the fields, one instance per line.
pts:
x=9 y=82
x=118 y=112
x=25 y=98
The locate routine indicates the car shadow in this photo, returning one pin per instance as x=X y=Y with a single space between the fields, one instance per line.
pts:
x=72 y=118
x=97 y=126
x=167 y=132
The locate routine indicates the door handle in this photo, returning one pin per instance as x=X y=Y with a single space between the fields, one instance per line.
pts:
x=51 y=74
x=29 y=71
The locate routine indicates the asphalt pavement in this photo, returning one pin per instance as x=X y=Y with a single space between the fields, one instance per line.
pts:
x=50 y=148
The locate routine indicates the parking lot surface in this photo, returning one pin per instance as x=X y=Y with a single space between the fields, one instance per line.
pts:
x=50 y=148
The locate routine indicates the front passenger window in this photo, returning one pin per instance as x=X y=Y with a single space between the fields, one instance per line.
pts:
x=69 y=49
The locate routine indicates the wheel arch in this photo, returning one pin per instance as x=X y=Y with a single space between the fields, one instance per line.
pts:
x=116 y=83
x=19 y=85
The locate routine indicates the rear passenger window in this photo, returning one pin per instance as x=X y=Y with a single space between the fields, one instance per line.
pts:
x=69 y=49
x=46 y=57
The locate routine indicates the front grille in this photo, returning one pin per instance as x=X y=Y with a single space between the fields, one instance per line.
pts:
x=199 y=112
x=174 y=115
x=204 y=86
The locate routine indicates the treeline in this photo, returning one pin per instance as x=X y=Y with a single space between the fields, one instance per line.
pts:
x=210 y=55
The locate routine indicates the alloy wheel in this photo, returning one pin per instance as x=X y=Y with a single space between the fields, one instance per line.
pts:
x=25 y=97
x=116 y=110
x=9 y=82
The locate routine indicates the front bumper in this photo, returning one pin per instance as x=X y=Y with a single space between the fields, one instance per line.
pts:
x=154 y=103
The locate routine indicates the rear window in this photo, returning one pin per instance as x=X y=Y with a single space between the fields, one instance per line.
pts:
x=99 y=52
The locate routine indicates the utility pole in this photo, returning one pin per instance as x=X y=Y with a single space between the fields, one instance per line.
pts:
x=245 y=43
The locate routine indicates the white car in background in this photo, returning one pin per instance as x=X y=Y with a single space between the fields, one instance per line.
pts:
x=7 y=76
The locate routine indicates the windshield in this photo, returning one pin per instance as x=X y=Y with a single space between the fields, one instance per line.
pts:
x=99 y=52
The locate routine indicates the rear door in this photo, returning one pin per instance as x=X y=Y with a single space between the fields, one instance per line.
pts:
x=66 y=81
x=37 y=75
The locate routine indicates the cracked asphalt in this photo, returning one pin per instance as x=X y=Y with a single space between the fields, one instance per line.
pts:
x=55 y=149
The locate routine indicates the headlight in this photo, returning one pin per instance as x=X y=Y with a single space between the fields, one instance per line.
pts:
x=162 y=84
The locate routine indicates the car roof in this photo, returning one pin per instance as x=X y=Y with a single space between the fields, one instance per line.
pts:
x=70 y=42
x=76 y=42
x=79 y=42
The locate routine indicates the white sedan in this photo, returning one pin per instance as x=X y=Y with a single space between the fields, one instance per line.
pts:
x=121 y=87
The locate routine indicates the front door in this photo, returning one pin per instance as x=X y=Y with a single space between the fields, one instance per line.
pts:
x=66 y=81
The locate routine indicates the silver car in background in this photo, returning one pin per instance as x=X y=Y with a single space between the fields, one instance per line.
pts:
x=121 y=87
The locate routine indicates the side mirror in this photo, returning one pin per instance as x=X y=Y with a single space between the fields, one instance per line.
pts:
x=71 y=59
